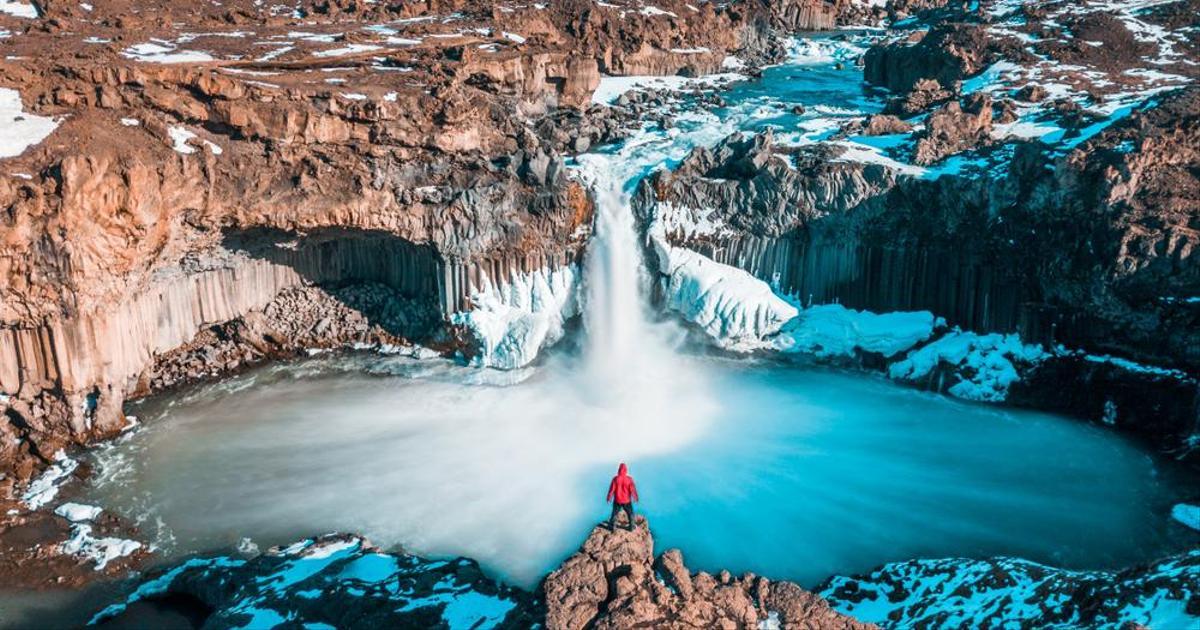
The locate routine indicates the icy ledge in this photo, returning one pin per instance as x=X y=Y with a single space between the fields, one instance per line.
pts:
x=733 y=307
x=742 y=313
x=512 y=321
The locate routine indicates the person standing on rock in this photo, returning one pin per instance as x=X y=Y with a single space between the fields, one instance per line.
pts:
x=622 y=492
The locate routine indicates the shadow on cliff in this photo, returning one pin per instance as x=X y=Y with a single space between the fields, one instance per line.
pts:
x=392 y=282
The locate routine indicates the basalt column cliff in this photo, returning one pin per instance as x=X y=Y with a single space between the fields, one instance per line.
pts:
x=193 y=187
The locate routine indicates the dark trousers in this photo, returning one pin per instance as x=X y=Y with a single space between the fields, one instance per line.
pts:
x=617 y=507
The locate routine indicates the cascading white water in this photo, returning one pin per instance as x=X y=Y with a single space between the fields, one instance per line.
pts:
x=619 y=340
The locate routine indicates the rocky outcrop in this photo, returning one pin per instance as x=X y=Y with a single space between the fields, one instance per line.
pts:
x=441 y=127
x=615 y=581
x=954 y=128
x=1008 y=591
x=947 y=53
x=356 y=586
x=1084 y=249
x=319 y=138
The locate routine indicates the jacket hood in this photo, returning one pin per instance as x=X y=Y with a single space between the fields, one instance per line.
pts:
x=621 y=470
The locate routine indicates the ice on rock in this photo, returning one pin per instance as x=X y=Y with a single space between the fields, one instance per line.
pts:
x=1187 y=514
x=76 y=512
x=834 y=330
x=514 y=320
x=732 y=306
x=43 y=489
x=99 y=550
x=985 y=363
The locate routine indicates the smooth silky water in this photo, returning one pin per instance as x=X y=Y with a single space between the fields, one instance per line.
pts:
x=790 y=472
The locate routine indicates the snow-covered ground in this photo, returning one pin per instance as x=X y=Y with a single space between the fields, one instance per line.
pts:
x=1014 y=593
x=401 y=590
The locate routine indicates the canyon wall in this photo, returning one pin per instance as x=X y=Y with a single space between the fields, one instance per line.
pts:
x=1087 y=252
x=209 y=166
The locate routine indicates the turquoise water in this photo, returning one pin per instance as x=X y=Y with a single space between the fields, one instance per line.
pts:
x=789 y=472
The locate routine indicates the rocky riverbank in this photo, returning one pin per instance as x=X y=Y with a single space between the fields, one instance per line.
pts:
x=615 y=580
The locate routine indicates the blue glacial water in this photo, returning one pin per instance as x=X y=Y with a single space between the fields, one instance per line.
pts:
x=789 y=472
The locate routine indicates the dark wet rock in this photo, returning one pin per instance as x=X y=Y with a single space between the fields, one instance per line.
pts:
x=954 y=128
x=749 y=183
x=1032 y=93
x=948 y=53
x=338 y=580
x=1007 y=591
x=615 y=581
x=885 y=124
x=924 y=94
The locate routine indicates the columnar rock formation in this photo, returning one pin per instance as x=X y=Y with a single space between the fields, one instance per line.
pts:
x=204 y=157
x=1070 y=220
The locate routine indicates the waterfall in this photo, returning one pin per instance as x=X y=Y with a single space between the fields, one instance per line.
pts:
x=615 y=318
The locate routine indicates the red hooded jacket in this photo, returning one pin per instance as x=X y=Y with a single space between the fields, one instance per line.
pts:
x=622 y=487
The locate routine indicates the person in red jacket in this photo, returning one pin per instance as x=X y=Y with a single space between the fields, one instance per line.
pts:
x=622 y=492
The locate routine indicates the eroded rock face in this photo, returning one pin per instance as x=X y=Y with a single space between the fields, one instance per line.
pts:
x=615 y=581
x=1076 y=249
x=954 y=128
x=441 y=126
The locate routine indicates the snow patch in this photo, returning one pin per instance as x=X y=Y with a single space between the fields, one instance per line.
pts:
x=351 y=49
x=20 y=130
x=76 y=512
x=985 y=363
x=1187 y=514
x=99 y=550
x=43 y=489
x=611 y=88
x=833 y=330
x=18 y=9
x=151 y=52
x=515 y=320
x=180 y=137
x=652 y=10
